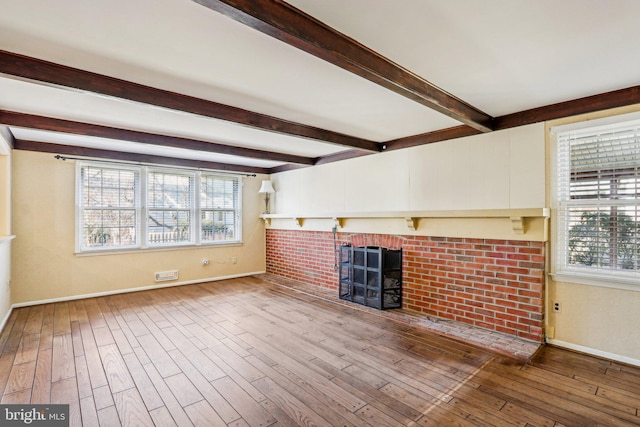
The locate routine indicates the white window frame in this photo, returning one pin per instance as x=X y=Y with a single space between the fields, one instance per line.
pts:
x=561 y=270
x=142 y=209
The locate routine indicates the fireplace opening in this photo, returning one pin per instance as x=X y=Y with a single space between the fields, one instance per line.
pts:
x=371 y=276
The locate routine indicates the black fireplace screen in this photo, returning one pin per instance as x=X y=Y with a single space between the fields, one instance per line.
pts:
x=371 y=276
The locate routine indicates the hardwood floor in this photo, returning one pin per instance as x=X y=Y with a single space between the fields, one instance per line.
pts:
x=244 y=352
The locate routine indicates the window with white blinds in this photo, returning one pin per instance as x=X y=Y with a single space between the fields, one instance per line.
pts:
x=170 y=204
x=122 y=207
x=597 y=189
x=219 y=205
x=110 y=207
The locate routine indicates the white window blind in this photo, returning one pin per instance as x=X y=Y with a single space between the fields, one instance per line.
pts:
x=598 y=180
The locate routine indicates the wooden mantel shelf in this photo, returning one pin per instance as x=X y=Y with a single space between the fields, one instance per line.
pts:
x=516 y=216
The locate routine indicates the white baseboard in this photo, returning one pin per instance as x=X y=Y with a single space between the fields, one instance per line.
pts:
x=124 y=291
x=594 y=352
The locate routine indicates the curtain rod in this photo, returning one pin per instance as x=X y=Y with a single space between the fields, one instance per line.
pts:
x=119 y=162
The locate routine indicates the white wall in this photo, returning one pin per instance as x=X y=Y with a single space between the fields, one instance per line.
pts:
x=5 y=227
x=500 y=170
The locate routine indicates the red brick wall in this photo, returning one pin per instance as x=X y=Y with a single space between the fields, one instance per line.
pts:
x=492 y=284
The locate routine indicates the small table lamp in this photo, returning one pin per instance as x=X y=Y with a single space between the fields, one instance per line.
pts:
x=266 y=188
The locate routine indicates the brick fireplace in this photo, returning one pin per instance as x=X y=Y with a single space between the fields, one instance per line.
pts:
x=492 y=284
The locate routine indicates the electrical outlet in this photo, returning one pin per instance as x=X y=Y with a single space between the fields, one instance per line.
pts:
x=556 y=306
x=234 y=260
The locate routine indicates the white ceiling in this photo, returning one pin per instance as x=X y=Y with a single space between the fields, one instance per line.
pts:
x=500 y=56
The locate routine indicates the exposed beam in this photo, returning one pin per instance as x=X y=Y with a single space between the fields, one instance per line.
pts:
x=10 y=118
x=588 y=104
x=342 y=155
x=44 y=71
x=292 y=26
x=71 y=150
x=285 y=168
x=430 y=137
x=330 y=158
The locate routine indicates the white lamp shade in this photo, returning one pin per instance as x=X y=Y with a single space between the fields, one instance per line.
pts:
x=266 y=187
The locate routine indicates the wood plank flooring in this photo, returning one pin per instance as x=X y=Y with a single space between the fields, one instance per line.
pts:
x=245 y=352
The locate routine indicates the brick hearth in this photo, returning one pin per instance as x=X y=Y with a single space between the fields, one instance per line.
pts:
x=492 y=284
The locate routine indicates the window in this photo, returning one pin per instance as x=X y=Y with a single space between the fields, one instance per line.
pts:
x=218 y=206
x=170 y=203
x=109 y=199
x=597 y=189
x=139 y=207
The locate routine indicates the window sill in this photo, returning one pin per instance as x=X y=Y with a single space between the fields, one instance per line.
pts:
x=154 y=249
x=580 y=278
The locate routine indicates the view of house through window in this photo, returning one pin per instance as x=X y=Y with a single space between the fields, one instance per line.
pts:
x=139 y=207
x=598 y=185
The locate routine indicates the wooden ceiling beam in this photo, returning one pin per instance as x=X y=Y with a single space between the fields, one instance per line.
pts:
x=31 y=121
x=585 y=105
x=61 y=75
x=430 y=137
x=71 y=150
x=292 y=26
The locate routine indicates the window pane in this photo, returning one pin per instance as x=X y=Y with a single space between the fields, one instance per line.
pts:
x=603 y=237
x=109 y=187
x=218 y=226
x=218 y=193
x=170 y=191
x=109 y=228
x=169 y=226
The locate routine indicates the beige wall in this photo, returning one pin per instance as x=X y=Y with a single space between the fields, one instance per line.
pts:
x=45 y=266
x=597 y=320
x=594 y=319
x=498 y=171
